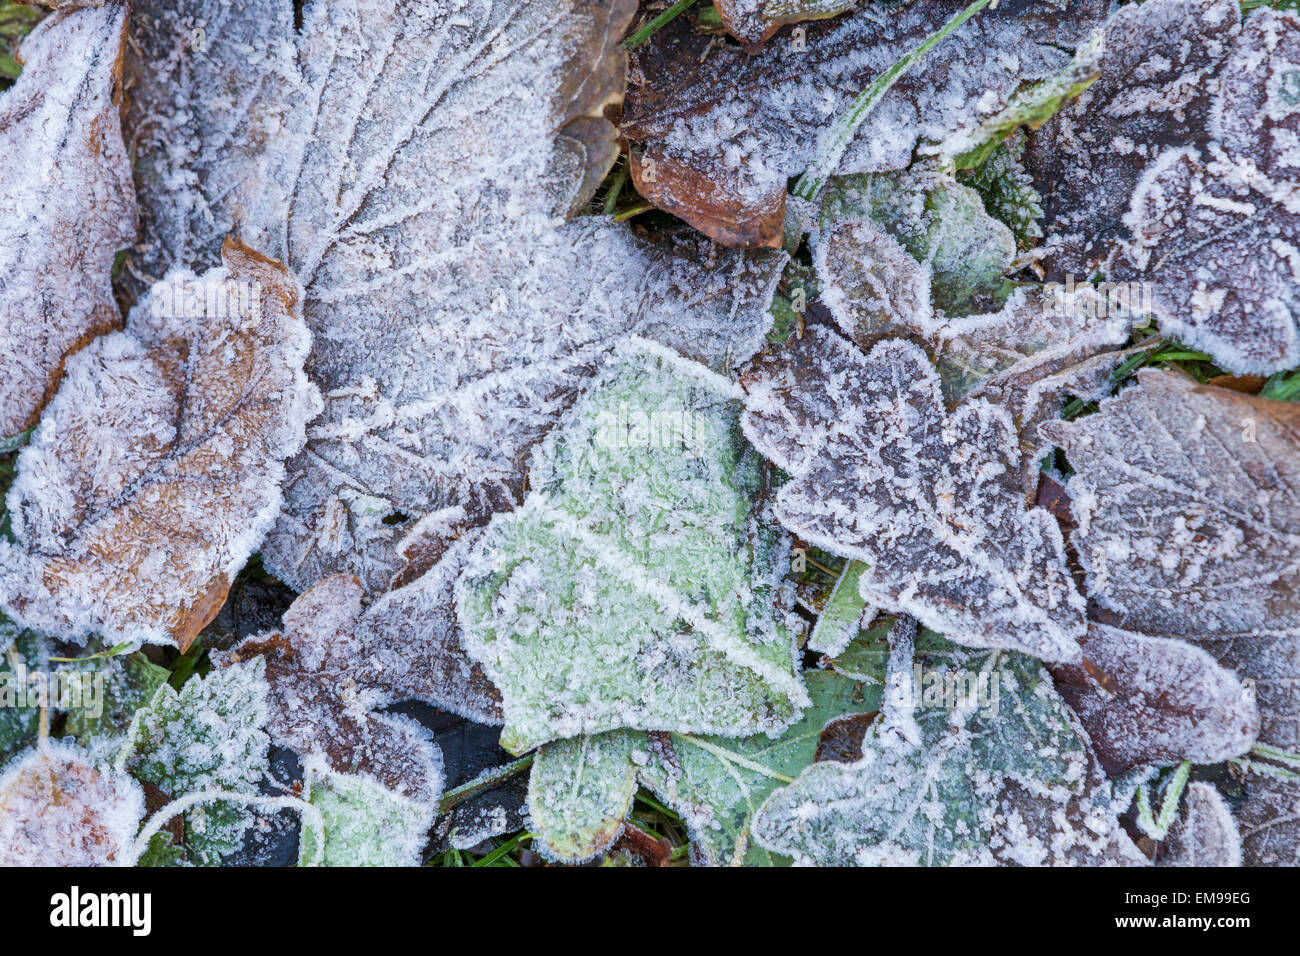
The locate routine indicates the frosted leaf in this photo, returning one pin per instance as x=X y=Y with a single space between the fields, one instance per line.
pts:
x=66 y=206
x=1186 y=501
x=156 y=468
x=365 y=824
x=964 y=251
x=1205 y=834
x=999 y=777
x=843 y=615
x=931 y=502
x=486 y=788
x=129 y=683
x=411 y=170
x=1156 y=700
x=20 y=652
x=1179 y=167
x=663 y=613
x=716 y=138
x=1008 y=190
x=331 y=667
x=581 y=789
x=208 y=736
x=753 y=22
x=58 y=809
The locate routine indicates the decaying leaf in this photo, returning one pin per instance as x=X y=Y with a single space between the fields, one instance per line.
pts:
x=412 y=171
x=208 y=736
x=1206 y=834
x=999 y=773
x=752 y=22
x=58 y=809
x=331 y=667
x=716 y=137
x=931 y=502
x=1178 y=168
x=581 y=788
x=157 y=466
x=66 y=204
x=664 y=613
x=1187 y=499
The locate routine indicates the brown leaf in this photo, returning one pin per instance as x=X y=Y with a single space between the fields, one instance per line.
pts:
x=156 y=469
x=66 y=207
x=717 y=133
x=1205 y=834
x=753 y=22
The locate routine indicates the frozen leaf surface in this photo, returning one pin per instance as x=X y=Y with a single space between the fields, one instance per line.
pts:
x=20 y=652
x=754 y=21
x=59 y=809
x=930 y=502
x=1206 y=834
x=156 y=469
x=365 y=824
x=209 y=736
x=66 y=204
x=581 y=789
x=413 y=171
x=717 y=137
x=998 y=776
x=663 y=612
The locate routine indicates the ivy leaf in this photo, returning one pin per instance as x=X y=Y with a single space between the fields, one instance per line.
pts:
x=156 y=468
x=662 y=616
x=1005 y=779
x=930 y=502
x=207 y=737
x=581 y=788
x=365 y=824
x=1198 y=198
x=716 y=138
x=57 y=808
x=67 y=205
x=414 y=173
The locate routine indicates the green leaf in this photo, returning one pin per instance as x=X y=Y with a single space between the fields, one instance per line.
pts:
x=581 y=789
x=126 y=684
x=637 y=586
x=208 y=736
x=1008 y=190
x=20 y=651
x=843 y=615
x=366 y=824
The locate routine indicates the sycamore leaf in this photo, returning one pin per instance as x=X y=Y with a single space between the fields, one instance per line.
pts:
x=664 y=613
x=156 y=468
x=66 y=205
x=998 y=773
x=716 y=138
x=365 y=824
x=413 y=172
x=753 y=22
x=1146 y=700
x=1206 y=834
x=208 y=736
x=581 y=789
x=59 y=809
x=931 y=502
x=332 y=666
x=1177 y=168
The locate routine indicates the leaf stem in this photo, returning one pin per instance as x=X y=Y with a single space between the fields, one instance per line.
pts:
x=484 y=781
x=828 y=157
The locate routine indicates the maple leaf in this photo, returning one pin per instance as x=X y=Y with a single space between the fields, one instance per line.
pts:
x=581 y=789
x=931 y=502
x=753 y=22
x=716 y=138
x=69 y=212
x=1185 y=497
x=413 y=171
x=665 y=614
x=156 y=468
x=58 y=809
x=954 y=781
x=1174 y=169
x=332 y=666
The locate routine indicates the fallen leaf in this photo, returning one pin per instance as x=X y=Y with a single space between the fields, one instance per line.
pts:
x=665 y=613
x=59 y=809
x=716 y=134
x=67 y=205
x=930 y=502
x=1205 y=834
x=753 y=22
x=157 y=466
x=365 y=824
